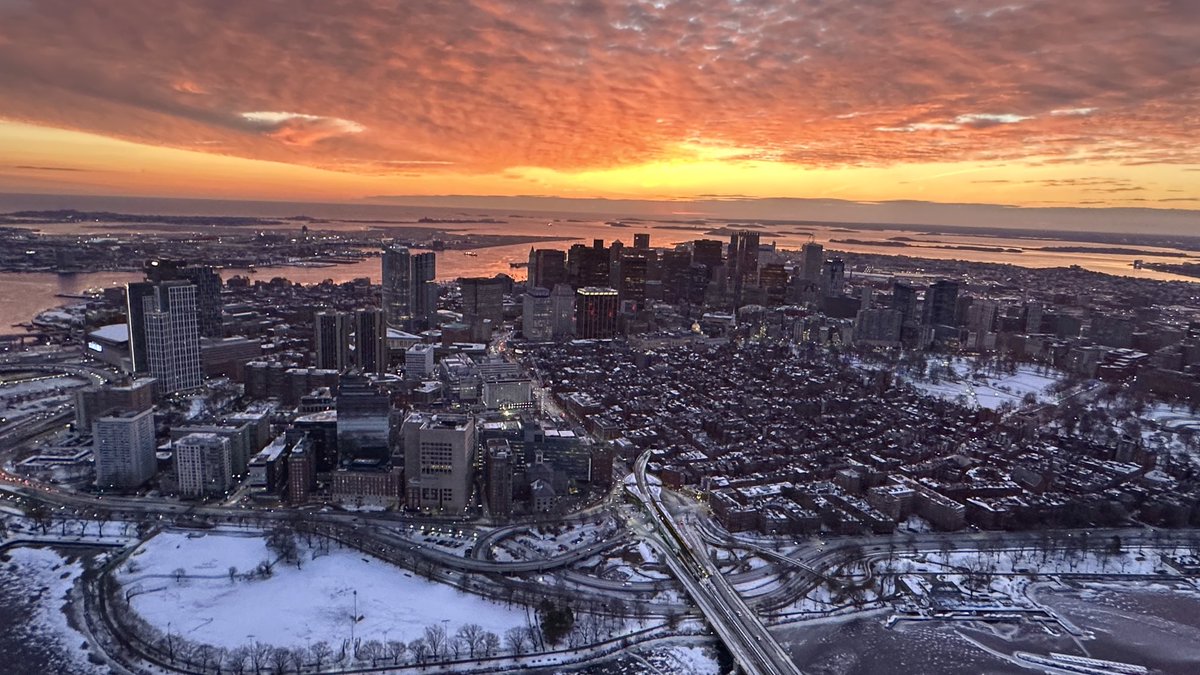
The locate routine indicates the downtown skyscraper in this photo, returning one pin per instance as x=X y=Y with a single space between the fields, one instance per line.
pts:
x=409 y=293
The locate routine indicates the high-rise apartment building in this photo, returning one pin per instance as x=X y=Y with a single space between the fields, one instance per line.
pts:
x=439 y=453
x=941 y=303
x=124 y=448
x=409 y=295
x=596 y=313
x=331 y=338
x=203 y=464
x=171 y=334
x=208 y=290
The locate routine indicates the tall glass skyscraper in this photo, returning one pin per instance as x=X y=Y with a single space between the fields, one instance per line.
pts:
x=409 y=294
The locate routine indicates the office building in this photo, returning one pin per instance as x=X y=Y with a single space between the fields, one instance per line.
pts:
x=562 y=305
x=547 y=268
x=439 y=452
x=124 y=448
x=170 y=334
x=707 y=252
x=813 y=256
x=331 y=337
x=537 y=315
x=409 y=294
x=418 y=362
x=364 y=424
x=370 y=341
x=743 y=261
x=878 y=327
x=203 y=465
x=634 y=270
x=482 y=299
x=833 y=277
x=641 y=241
x=596 y=313
x=589 y=265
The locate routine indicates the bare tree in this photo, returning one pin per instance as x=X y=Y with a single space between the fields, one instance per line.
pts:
x=259 y=653
x=435 y=637
x=232 y=573
x=372 y=651
x=419 y=649
x=281 y=658
x=321 y=652
x=396 y=650
x=515 y=639
x=472 y=636
x=491 y=644
x=179 y=574
x=235 y=660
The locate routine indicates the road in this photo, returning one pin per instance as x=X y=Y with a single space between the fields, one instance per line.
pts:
x=753 y=647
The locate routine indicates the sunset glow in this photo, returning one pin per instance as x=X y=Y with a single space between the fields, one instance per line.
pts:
x=1042 y=103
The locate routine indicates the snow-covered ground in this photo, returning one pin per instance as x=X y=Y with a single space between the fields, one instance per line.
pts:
x=957 y=381
x=292 y=607
x=36 y=582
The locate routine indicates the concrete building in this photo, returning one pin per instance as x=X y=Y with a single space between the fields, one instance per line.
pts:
x=562 y=306
x=203 y=465
x=537 y=315
x=124 y=448
x=96 y=400
x=439 y=453
x=498 y=477
x=418 y=362
x=547 y=268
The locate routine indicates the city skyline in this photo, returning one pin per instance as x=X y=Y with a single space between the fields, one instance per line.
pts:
x=925 y=102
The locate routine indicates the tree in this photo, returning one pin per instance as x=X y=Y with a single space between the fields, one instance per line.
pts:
x=472 y=636
x=435 y=638
x=281 y=658
x=232 y=573
x=179 y=574
x=235 y=660
x=515 y=639
x=372 y=651
x=491 y=644
x=396 y=650
x=557 y=621
x=259 y=653
x=321 y=652
x=419 y=649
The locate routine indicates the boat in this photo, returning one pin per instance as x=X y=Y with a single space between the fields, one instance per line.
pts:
x=473 y=254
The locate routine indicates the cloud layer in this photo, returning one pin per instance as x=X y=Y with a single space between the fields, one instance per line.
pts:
x=485 y=85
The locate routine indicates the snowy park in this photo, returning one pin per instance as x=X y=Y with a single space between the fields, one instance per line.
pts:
x=957 y=380
x=204 y=588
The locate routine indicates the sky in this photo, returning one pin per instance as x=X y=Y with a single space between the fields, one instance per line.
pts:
x=1032 y=103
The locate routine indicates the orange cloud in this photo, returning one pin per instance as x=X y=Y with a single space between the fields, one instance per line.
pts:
x=486 y=86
